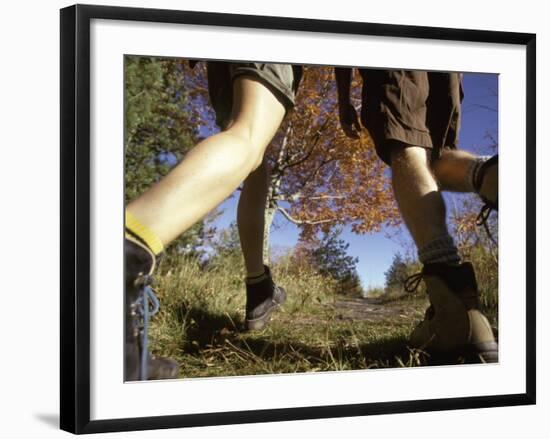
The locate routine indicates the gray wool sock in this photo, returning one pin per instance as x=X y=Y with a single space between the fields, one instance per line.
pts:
x=440 y=250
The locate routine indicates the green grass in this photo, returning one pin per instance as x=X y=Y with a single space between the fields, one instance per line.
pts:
x=202 y=319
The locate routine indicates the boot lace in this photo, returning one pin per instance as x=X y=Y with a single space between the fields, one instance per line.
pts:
x=411 y=285
x=412 y=282
x=145 y=306
x=483 y=218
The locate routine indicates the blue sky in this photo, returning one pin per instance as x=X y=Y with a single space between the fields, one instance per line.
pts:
x=376 y=250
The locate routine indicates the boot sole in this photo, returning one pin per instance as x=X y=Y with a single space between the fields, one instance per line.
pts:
x=480 y=353
x=260 y=322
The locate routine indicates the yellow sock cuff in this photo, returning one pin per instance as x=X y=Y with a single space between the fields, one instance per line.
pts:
x=144 y=233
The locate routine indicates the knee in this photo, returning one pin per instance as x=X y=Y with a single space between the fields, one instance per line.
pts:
x=255 y=157
x=258 y=162
x=252 y=151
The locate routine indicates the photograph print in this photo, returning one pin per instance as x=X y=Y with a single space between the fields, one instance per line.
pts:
x=307 y=218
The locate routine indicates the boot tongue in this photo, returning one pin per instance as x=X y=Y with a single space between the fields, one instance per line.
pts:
x=460 y=279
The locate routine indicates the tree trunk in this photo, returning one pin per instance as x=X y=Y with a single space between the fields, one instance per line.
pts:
x=275 y=179
x=269 y=214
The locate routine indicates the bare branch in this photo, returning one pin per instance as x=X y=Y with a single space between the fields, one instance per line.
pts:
x=485 y=107
x=313 y=141
x=298 y=195
x=297 y=221
x=284 y=144
x=314 y=173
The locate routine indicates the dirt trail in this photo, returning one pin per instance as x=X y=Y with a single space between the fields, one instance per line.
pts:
x=376 y=310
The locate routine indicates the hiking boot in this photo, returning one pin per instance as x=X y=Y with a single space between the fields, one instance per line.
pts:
x=453 y=323
x=139 y=296
x=486 y=184
x=262 y=298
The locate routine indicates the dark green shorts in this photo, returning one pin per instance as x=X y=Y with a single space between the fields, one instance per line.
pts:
x=281 y=79
x=414 y=107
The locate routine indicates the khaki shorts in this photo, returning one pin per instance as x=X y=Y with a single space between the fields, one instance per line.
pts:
x=281 y=79
x=414 y=107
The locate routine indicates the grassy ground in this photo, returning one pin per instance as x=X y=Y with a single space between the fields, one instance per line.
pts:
x=202 y=318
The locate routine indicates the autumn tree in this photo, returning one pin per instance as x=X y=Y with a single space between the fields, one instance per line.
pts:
x=319 y=178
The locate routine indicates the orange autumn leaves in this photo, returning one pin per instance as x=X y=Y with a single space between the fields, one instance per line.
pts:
x=321 y=178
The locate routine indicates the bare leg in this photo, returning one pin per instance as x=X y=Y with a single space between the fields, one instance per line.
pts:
x=453 y=170
x=460 y=171
x=262 y=295
x=453 y=319
x=251 y=220
x=417 y=194
x=215 y=167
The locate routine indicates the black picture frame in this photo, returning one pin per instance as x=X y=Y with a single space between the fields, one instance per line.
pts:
x=75 y=217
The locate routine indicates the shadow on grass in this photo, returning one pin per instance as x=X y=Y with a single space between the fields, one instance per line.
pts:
x=264 y=352
x=340 y=354
x=205 y=330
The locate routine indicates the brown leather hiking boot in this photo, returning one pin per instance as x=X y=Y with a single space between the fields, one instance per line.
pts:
x=138 y=363
x=453 y=323
x=486 y=183
x=486 y=186
x=262 y=299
